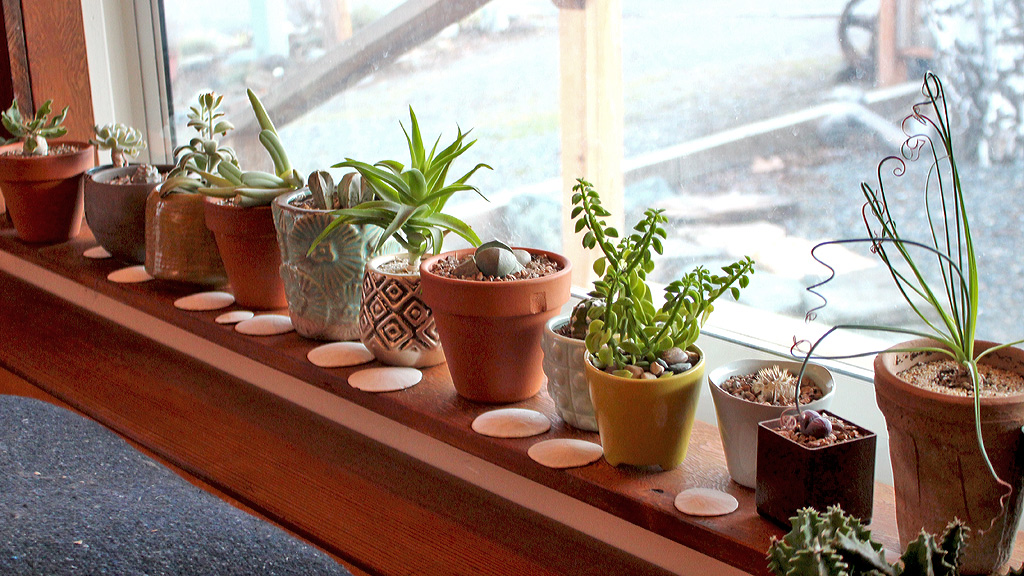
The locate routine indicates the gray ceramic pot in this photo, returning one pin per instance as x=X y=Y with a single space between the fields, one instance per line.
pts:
x=116 y=213
x=567 y=381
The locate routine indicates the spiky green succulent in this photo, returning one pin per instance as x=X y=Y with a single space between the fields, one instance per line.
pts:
x=33 y=131
x=122 y=141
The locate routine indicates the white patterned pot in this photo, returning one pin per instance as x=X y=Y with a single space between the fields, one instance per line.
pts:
x=567 y=382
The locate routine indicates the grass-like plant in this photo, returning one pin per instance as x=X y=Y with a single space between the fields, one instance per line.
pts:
x=625 y=326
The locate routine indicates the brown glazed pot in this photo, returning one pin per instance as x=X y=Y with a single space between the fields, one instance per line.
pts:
x=116 y=213
x=179 y=246
x=938 y=470
x=43 y=193
x=247 y=241
x=791 y=476
x=491 y=331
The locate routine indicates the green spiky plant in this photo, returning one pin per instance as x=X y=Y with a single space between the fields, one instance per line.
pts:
x=410 y=200
x=34 y=131
x=835 y=544
x=122 y=140
x=626 y=329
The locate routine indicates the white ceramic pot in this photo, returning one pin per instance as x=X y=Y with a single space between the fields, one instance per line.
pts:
x=567 y=380
x=738 y=418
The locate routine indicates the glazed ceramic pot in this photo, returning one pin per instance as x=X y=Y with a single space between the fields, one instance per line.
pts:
x=645 y=422
x=938 y=469
x=247 y=242
x=567 y=380
x=179 y=246
x=738 y=418
x=791 y=476
x=116 y=213
x=394 y=323
x=491 y=331
x=324 y=289
x=43 y=193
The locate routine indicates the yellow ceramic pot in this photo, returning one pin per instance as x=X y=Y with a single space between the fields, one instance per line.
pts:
x=645 y=422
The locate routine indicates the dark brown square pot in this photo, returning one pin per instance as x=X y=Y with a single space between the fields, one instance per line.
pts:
x=791 y=476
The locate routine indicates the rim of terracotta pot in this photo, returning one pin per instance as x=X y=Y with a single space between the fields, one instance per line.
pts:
x=15 y=168
x=719 y=375
x=222 y=218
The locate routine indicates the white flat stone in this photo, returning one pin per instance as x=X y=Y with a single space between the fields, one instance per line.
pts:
x=96 y=253
x=265 y=325
x=385 y=379
x=130 y=275
x=565 y=453
x=705 y=502
x=203 y=301
x=338 y=354
x=511 y=423
x=233 y=317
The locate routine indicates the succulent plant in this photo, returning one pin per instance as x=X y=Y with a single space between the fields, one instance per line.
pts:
x=813 y=424
x=835 y=544
x=350 y=192
x=122 y=140
x=203 y=153
x=34 y=131
x=774 y=383
x=579 y=319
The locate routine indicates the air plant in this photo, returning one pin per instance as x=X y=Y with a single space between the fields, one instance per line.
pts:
x=122 y=141
x=34 y=131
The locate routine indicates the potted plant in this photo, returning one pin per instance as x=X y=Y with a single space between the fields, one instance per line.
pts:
x=643 y=366
x=179 y=246
x=749 y=391
x=394 y=323
x=564 y=347
x=490 y=305
x=116 y=193
x=955 y=425
x=40 y=183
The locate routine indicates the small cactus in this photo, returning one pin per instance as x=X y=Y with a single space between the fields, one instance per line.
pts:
x=34 y=130
x=122 y=140
x=774 y=383
x=582 y=314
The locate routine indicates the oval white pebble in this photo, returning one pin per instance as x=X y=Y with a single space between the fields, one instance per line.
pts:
x=233 y=317
x=565 y=453
x=338 y=354
x=96 y=253
x=265 y=325
x=705 y=502
x=385 y=379
x=129 y=275
x=205 y=301
x=511 y=423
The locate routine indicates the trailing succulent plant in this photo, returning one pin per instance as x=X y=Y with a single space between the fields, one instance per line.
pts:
x=122 y=140
x=202 y=154
x=835 y=544
x=34 y=131
x=625 y=327
x=410 y=200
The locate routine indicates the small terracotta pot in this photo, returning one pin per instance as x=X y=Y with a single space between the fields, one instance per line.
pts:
x=738 y=418
x=247 y=242
x=645 y=422
x=567 y=380
x=938 y=469
x=43 y=193
x=491 y=331
x=394 y=323
x=791 y=476
x=116 y=213
x=179 y=246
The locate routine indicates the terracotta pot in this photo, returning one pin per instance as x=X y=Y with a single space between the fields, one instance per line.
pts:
x=491 y=331
x=567 y=380
x=116 y=213
x=43 y=193
x=247 y=242
x=645 y=422
x=938 y=470
x=324 y=289
x=394 y=323
x=738 y=418
x=179 y=246
x=791 y=476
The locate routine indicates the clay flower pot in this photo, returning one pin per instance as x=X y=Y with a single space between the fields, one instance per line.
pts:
x=324 y=289
x=791 y=475
x=43 y=193
x=938 y=470
x=645 y=422
x=491 y=331
x=738 y=418
x=247 y=242
x=567 y=379
x=179 y=246
x=116 y=213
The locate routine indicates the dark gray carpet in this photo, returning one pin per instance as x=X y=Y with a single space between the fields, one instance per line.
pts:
x=77 y=499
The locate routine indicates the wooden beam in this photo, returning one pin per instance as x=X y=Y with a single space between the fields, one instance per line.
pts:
x=889 y=60
x=15 y=58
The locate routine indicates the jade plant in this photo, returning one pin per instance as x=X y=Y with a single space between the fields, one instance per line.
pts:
x=34 y=131
x=410 y=200
x=626 y=329
x=836 y=544
x=122 y=140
